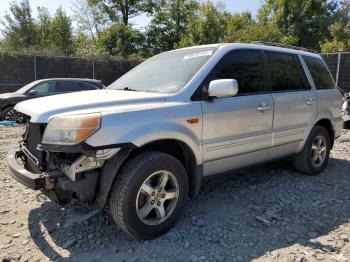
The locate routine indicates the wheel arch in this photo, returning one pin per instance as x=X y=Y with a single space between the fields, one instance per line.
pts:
x=327 y=124
x=176 y=148
x=183 y=152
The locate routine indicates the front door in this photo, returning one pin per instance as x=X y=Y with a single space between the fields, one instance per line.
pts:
x=42 y=89
x=237 y=131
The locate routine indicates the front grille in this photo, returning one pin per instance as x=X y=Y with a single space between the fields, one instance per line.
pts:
x=32 y=137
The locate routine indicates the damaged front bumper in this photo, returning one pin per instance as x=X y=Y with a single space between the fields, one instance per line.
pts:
x=18 y=171
x=76 y=179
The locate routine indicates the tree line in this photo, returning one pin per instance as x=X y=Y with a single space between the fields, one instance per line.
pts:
x=104 y=27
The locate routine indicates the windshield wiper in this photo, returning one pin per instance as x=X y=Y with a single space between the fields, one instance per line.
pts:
x=128 y=89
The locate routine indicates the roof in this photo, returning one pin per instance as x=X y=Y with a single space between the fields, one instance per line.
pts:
x=260 y=46
x=71 y=79
x=269 y=48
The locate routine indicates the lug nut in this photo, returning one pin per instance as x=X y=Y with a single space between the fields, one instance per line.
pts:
x=153 y=193
x=158 y=203
x=159 y=189
x=163 y=195
x=152 y=202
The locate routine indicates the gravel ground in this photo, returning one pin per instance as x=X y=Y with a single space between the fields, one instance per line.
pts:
x=265 y=213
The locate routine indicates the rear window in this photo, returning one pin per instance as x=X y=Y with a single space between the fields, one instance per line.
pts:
x=319 y=72
x=286 y=72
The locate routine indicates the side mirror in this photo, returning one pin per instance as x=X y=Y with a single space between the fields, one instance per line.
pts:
x=223 y=88
x=32 y=92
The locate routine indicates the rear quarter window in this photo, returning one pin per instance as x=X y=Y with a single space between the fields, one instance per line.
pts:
x=319 y=72
x=88 y=86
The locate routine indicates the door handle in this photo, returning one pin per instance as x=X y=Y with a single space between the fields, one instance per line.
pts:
x=263 y=107
x=310 y=101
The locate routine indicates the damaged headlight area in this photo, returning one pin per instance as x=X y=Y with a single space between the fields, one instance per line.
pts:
x=71 y=130
x=86 y=163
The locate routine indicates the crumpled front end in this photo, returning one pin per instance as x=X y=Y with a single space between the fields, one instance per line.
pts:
x=61 y=173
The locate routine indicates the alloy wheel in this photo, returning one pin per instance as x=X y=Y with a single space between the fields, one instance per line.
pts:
x=15 y=116
x=157 y=198
x=318 y=151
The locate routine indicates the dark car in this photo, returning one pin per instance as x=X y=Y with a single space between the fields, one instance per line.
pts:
x=40 y=88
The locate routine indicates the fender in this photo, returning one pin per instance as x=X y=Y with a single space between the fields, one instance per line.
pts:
x=108 y=173
x=333 y=124
x=140 y=135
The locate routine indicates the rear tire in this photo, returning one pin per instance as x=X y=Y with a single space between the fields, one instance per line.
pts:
x=139 y=201
x=315 y=155
x=347 y=125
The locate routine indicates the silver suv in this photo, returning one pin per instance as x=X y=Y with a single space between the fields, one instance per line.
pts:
x=143 y=145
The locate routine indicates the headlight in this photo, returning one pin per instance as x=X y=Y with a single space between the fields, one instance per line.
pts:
x=71 y=130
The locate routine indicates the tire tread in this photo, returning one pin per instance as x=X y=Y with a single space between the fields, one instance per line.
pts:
x=119 y=191
x=301 y=161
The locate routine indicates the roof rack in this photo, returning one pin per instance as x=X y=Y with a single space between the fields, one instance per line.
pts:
x=284 y=46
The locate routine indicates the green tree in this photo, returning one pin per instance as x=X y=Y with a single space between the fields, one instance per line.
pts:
x=19 y=30
x=120 y=40
x=208 y=27
x=169 y=24
x=43 y=28
x=91 y=17
x=85 y=46
x=339 y=30
x=239 y=27
x=61 y=36
x=302 y=22
x=125 y=9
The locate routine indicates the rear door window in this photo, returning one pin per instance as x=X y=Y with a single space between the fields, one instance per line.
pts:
x=286 y=73
x=68 y=86
x=319 y=72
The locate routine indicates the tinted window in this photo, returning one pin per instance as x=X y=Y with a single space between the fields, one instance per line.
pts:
x=88 y=86
x=245 y=67
x=286 y=72
x=319 y=72
x=68 y=86
x=45 y=87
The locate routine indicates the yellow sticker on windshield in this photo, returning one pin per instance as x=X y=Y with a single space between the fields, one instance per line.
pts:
x=200 y=54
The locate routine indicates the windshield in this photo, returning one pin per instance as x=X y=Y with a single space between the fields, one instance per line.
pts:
x=165 y=73
x=26 y=88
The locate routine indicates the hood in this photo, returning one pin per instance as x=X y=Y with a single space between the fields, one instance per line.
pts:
x=42 y=109
x=7 y=95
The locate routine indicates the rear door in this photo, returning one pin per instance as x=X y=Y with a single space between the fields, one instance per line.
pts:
x=67 y=86
x=295 y=103
x=329 y=99
x=237 y=131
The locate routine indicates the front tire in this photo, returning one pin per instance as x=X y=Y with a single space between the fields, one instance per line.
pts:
x=149 y=195
x=315 y=155
x=10 y=114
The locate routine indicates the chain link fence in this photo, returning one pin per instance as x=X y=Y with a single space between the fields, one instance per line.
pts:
x=17 y=71
x=339 y=65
